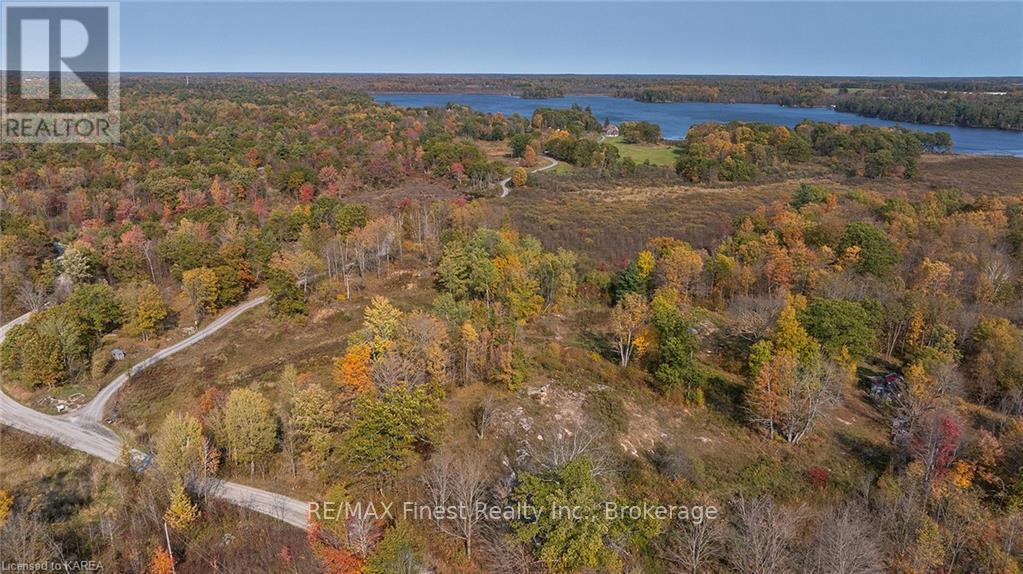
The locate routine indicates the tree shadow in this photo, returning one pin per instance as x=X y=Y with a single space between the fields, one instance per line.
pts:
x=877 y=457
x=598 y=343
x=726 y=397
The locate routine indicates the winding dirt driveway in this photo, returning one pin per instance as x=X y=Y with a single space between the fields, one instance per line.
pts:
x=92 y=412
x=83 y=429
x=505 y=190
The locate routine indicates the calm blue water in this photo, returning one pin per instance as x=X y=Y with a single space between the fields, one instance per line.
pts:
x=675 y=118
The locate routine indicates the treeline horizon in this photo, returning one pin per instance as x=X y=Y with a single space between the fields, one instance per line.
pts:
x=978 y=102
x=569 y=75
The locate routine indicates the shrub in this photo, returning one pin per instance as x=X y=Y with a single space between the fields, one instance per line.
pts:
x=809 y=193
x=608 y=408
x=818 y=477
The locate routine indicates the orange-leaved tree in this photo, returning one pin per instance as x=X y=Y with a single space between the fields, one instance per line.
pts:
x=336 y=559
x=162 y=563
x=352 y=371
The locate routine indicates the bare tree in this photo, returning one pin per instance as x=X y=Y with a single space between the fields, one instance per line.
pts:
x=503 y=554
x=360 y=242
x=362 y=530
x=555 y=447
x=483 y=414
x=1012 y=403
x=961 y=516
x=330 y=252
x=376 y=238
x=147 y=250
x=934 y=441
x=424 y=341
x=899 y=514
x=695 y=546
x=26 y=540
x=752 y=316
x=347 y=263
x=844 y=544
x=949 y=379
x=338 y=255
x=763 y=534
x=998 y=268
x=457 y=483
x=395 y=368
x=31 y=295
x=1011 y=527
x=814 y=391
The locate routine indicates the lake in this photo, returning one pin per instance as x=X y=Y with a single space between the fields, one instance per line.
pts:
x=675 y=118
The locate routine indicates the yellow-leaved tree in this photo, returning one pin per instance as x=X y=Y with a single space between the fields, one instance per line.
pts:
x=6 y=502
x=381 y=322
x=181 y=513
x=146 y=310
x=200 y=285
x=519 y=177
x=249 y=426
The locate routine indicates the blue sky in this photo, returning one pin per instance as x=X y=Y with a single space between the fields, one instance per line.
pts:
x=866 y=38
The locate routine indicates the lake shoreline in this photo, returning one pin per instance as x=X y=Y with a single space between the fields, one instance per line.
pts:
x=675 y=118
x=599 y=95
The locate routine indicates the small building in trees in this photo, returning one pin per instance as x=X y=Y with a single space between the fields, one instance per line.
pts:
x=611 y=131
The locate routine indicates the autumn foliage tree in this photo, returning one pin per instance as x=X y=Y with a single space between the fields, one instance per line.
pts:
x=381 y=323
x=334 y=557
x=249 y=427
x=200 y=285
x=181 y=513
x=353 y=370
x=996 y=360
x=528 y=157
x=792 y=386
x=519 y=177
x=934 y=443
x=162 y=563
x=145 y=310
x=180 y=447
x=627 y=320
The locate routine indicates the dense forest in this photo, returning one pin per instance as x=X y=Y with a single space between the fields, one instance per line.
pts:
x=738 y=152
x=832 y=381
x=986 y=110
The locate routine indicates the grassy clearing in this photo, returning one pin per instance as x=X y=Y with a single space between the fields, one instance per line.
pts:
x=611 y=221
x=253 y=350
x=612 y=224
x=641 y=153
x=980 y=175
x=562 y=167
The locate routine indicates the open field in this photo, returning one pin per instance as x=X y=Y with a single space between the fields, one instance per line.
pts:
x=641 y=153
x=253 y=351
x=990 y=175
x=583 y=220
x=580 y=215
